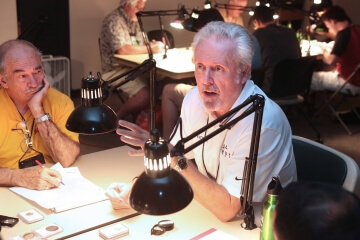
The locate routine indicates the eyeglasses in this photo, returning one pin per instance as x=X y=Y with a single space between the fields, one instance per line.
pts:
x=161 y=227
x=26 y=144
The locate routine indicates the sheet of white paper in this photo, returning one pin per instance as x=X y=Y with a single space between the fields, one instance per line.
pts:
x=77 y=191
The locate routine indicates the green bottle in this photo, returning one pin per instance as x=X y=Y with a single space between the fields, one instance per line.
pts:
x=273 y=191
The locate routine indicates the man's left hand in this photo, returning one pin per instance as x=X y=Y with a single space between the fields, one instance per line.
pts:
x=35 y=103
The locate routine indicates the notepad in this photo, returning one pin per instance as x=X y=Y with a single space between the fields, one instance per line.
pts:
x=77 y=191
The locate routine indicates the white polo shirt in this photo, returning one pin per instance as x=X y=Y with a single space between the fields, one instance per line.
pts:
x=223 y=156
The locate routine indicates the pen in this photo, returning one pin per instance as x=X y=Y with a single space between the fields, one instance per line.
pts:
x=42 y=166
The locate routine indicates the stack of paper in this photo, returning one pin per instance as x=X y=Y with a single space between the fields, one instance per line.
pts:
x=77 y=191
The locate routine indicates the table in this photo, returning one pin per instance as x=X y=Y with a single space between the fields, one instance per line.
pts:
x=177 y=65
x=103 y=168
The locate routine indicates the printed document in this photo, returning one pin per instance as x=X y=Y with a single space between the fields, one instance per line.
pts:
x=77 y=191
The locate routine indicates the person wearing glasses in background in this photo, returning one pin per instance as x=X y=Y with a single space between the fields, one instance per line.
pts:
x=33 y=118
x=121 y=34
x=222 y=56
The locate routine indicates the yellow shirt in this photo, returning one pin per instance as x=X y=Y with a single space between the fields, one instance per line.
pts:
x=57 y=104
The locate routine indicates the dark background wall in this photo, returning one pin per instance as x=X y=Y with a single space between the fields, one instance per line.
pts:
x=45 y=23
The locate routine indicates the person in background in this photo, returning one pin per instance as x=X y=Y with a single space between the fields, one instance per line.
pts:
x=174 y=93
x=233 y=15
x=121 y=34
x=318 y=211
x=33 y=118
x=317 y=28
x=344 y=55
x=277 y=43
x=222 y=56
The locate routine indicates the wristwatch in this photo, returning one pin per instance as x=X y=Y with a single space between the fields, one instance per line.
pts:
x=44 y=118
x=182 y=163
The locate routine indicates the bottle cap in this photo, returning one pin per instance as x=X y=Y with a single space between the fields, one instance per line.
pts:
x=274 y=187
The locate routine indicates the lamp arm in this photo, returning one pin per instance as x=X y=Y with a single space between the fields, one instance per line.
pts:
x=234 y=7
x=163 y=37
x=246 y=192
x=130 y=75
x=145 y=36
x=179 y=150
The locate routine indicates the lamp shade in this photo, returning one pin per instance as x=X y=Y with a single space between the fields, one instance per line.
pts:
x=92 y=117
x=189 y=23
x=160 y=196
x=159 y=190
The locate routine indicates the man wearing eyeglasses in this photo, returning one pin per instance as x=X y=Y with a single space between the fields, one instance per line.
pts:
x=33 y=119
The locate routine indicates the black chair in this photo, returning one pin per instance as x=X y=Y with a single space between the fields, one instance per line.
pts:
x=257 y=75
x=291 y=82
x=319 y=163
x=157 y=36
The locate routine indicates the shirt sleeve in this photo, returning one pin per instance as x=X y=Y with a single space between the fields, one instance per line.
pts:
x=341 y=41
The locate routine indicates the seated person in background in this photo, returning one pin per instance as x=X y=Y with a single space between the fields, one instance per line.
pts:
x=222 y=58
x=174 y=93
x=33 y=118
x=121 y=34
x=233 y=15
x=317 y=211
x=276 y=42
x=345 y=54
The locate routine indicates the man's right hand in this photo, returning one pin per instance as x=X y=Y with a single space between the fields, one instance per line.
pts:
x=37 y=178
x=135 y=136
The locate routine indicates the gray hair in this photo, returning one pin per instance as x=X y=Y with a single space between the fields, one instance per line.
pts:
x=10 y=44
x=234 y=32
x=132 y=2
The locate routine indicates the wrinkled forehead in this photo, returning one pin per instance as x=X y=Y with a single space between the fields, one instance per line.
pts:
x=22 y=58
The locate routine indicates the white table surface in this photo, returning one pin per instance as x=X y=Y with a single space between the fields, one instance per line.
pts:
x=103 y=168
x=177 y=65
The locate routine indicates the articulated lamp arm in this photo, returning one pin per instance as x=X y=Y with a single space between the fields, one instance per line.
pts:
x=226 y=122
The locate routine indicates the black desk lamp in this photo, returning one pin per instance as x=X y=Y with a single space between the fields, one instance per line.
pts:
x=142 y=199
x=94 y=117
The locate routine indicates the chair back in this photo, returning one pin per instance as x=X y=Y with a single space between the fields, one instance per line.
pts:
x=157 y=36
x=292 y=77
x=319 y=163
x=257 y=75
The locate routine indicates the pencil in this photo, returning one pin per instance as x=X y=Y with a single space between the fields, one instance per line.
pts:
x=42 y=166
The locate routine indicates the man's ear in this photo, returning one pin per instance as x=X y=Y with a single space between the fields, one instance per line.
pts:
x=127 y=6
x=3 y=83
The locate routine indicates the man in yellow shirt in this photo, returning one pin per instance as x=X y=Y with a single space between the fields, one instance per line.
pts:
x=33 y=119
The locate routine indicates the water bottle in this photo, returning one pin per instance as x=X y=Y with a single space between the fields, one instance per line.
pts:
x=273 y=191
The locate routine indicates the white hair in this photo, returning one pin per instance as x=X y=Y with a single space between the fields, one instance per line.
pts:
x=234 y=32
x=132 y=2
